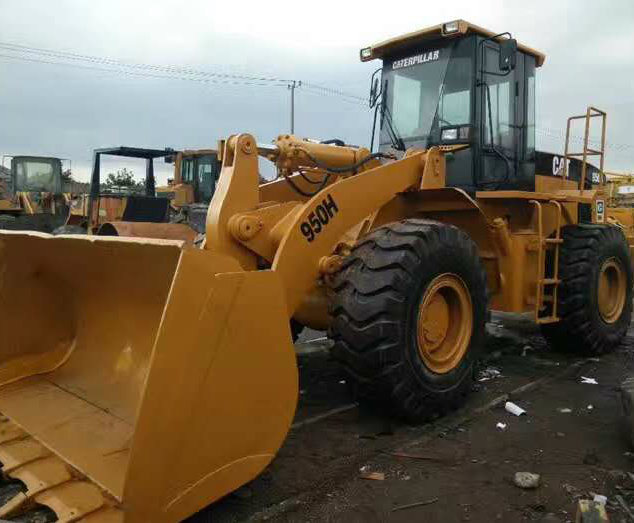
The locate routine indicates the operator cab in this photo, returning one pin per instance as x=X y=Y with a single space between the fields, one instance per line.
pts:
x=36 y=174
x=201 y=170
x=459 y=84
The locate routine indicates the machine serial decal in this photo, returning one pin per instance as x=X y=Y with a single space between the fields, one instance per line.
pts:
x=319 y=218
x=430 y=56
x=600 y=211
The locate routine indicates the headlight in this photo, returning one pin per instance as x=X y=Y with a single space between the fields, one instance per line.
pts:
x=450 y=27
x=449 y=135
x=366 y=53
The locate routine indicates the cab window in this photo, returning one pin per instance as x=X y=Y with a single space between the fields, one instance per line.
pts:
x=187 y=170
x=207 y=175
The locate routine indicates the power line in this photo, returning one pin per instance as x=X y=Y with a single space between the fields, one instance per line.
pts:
x=561 y=135
x=48 y=56
x=170 y=69
x=143 y=74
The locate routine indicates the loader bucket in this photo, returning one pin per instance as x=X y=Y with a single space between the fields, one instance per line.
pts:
x=141 y=380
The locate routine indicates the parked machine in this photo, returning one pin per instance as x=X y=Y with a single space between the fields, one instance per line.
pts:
x=181 y=205
x=166 y=377
x=32 y=195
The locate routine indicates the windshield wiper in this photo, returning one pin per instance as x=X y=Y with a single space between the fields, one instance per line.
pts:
x=392 y=132
x=386 y=117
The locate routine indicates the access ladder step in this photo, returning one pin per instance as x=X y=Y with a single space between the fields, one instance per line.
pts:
x=548 y=319
x=550 y=281
x=554 y=240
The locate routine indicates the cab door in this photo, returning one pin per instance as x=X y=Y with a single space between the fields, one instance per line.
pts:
x=500 y=93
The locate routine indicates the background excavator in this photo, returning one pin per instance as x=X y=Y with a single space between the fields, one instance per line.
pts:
x=167 y=378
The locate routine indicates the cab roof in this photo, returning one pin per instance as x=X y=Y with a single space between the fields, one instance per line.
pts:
x=463 y=28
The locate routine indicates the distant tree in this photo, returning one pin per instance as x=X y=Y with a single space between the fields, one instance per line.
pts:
x=124 y=180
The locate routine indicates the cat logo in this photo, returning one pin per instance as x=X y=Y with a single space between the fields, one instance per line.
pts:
x=558 y=165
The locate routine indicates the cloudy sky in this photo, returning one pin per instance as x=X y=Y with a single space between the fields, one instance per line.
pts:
x=67 y=111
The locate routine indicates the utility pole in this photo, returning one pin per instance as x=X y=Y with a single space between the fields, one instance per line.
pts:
x=292 y=86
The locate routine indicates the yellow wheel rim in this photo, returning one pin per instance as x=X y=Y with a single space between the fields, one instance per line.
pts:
x=445 y=322
x=612 y=290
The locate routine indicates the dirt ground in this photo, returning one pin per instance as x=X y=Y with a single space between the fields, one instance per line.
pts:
x=461 y=467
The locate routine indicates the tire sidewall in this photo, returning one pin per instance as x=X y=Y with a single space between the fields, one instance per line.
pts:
x=607 y=250
x=446 y=260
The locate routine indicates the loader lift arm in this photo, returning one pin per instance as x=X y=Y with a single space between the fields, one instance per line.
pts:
x=306 y=234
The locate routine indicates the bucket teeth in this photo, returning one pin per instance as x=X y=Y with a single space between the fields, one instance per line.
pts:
x=34 y=477
x=72 y=500
x=14 y=454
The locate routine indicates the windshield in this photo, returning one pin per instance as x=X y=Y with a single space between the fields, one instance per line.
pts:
x=37 y=175
x=427 y=91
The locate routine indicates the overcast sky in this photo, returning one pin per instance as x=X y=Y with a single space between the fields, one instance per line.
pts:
x=65 y=111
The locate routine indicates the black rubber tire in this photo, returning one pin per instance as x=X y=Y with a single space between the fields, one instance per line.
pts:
x=69 y=229
x=581 y=329
x=377 y=295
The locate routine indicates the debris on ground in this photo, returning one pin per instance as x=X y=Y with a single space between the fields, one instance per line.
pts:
x=501 y=426
x=600 y=498
x=590 y=407
x=418 y=504
x=490 y=373
x=624 y=506
x=572 y=491
x=588 y=381
x=564 y=411
x=589 y=511
x=514 y=409
x=423 y=457
x=376 y=476
x=526 y=480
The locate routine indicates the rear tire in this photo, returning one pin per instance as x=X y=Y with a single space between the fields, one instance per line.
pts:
x=595 y=294
x=409 y=316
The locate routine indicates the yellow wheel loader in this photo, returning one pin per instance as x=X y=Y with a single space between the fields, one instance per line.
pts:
x=32 y=195
x=142 y=379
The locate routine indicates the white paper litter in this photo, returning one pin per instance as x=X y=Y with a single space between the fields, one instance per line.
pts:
x=590 y=407
x=588 y=381
x=501 y=426
x=600 y=498
x=564 y=411
x=514 y=409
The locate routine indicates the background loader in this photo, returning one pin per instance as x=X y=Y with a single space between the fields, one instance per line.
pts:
x=167 y=376
x=32 y=195
x=181 y=205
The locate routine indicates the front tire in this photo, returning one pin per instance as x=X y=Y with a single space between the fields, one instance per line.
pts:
x=409 y=316
x=595 y=294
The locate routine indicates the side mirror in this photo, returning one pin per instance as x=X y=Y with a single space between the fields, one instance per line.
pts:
x=508 y=54
x=374 y=90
